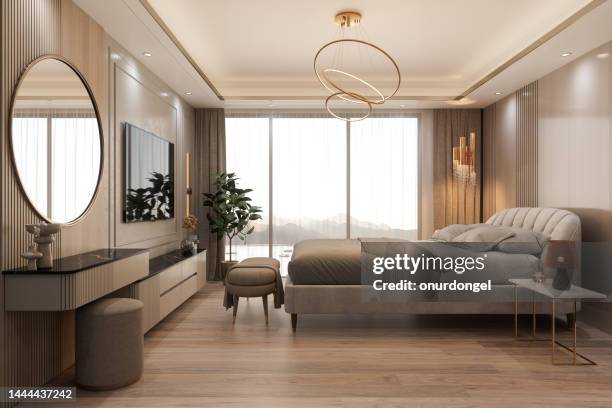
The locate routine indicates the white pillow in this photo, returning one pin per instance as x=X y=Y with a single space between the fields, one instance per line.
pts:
x=484 y=238
x=524 y=242
x=450 y=232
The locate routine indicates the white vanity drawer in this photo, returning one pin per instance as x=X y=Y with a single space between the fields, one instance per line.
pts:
x=171 y=277
x=175 y=297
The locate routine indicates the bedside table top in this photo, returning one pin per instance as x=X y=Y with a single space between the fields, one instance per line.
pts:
x=545 y=288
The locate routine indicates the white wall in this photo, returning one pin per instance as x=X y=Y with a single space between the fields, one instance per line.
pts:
x=574 y=141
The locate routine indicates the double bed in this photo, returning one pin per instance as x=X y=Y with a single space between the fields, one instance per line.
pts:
x=325 y=276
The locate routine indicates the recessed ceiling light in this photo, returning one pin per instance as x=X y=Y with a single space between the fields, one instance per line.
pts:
x=603 y=55
x=147 y=54
x=164 y=94
x=498 y=93
x=566 y=54
x=188 y=93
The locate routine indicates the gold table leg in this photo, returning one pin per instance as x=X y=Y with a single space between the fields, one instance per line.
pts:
x=533 y=314
x=573 y=349
x=515 y=312
x=553 y=340
x=553 y=325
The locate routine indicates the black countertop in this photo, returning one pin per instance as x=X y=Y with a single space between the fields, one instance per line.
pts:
x=165 y=261
x=78 y=263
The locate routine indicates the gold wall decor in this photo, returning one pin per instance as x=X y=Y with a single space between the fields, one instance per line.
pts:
x=464 y=159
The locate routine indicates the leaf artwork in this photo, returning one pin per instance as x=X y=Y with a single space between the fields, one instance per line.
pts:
x=152 y=203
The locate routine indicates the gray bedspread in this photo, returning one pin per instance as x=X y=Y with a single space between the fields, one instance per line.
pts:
x=326 y=262
x=338 y=262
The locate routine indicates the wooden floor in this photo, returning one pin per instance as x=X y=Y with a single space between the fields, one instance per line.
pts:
x=196 y=358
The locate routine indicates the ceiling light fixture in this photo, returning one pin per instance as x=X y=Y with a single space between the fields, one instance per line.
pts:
x=498 y=93
x=334 y=76
x=147 y=54
x=566 y=54
x=188 y=93
x=164 y=94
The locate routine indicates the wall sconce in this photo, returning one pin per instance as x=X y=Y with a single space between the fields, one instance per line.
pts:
x=188 y=190
x=464 y=160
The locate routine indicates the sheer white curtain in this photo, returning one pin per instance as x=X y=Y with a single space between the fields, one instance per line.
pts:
x=309 y=181
x=76 y=163
x=384 y=177
x=29 y=140
x=57 y=154
x=247 y=155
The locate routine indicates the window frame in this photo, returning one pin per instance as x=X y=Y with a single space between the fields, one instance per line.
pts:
x=271 y=115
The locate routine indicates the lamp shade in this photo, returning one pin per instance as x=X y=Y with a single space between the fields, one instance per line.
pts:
x=560 y=254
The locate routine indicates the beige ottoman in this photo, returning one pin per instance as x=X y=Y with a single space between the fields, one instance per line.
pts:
x=109 y=343
x=252 y=277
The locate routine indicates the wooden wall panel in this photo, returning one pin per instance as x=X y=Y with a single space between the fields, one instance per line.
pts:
x=505 y=153
x=527 y=146
x=511 y=151
x=31 y=342
x=488 y=162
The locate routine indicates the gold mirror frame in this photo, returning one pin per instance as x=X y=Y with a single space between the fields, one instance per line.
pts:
x=81 y=77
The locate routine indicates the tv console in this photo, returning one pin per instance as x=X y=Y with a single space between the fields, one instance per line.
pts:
x=172 y=279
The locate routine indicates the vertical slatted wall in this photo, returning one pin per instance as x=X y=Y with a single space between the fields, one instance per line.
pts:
x=524 y=135
x=527 y=145
x=488 y=162
x=31 y=349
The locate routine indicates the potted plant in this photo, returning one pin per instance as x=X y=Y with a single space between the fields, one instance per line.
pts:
x=230 y=213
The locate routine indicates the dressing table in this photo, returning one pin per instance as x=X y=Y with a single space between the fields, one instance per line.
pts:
x=75 y=280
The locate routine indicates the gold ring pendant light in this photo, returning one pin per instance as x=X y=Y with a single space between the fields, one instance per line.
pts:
x=344 y=20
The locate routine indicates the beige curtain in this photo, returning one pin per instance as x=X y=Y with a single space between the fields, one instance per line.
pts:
x=209 y=162
x=455 y=202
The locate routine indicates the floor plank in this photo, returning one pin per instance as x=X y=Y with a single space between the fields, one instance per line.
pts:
x=195 y=357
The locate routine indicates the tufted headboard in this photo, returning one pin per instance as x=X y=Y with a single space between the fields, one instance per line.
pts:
x=557 y=224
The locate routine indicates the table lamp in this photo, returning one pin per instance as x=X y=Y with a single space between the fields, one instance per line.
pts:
x=561 y=255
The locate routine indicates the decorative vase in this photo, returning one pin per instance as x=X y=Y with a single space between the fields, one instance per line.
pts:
x=188 y=247
x=562 y=279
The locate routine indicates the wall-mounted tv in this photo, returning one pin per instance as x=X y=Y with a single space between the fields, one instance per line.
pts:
x=148 y=165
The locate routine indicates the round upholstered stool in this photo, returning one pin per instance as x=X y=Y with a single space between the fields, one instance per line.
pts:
x=252 y=277
x=109 y=343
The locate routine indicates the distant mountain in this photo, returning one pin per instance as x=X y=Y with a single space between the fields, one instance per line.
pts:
x=289 y=232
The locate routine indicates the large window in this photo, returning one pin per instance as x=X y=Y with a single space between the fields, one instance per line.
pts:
x=319 y=177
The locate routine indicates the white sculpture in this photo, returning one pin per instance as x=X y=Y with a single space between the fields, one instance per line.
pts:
x=32 y=256
x=43 y=236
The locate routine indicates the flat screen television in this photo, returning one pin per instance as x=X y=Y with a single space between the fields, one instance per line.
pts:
x=148 y=166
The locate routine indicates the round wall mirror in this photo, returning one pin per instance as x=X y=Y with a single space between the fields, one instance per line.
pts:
x=56 y=140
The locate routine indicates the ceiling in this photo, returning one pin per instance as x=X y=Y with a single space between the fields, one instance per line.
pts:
x=260 y=53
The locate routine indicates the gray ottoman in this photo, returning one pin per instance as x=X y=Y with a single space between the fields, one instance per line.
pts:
x=109 y=343
x=253 y=277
